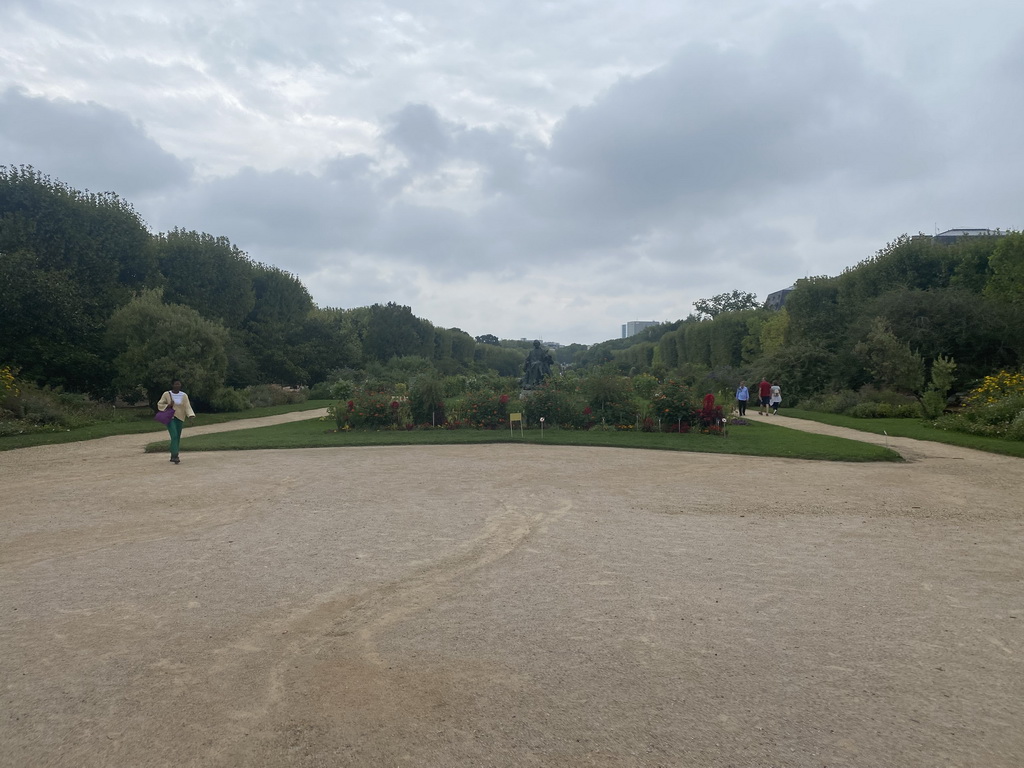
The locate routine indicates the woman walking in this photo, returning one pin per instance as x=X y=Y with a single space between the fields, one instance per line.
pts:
x=178 y=400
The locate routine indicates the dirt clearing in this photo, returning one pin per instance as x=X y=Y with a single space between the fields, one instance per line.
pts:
x=509 y=605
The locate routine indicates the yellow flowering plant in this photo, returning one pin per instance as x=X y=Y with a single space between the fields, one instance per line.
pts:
x=8 y=383
x=998 y=386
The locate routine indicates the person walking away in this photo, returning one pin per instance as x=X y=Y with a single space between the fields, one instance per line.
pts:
x=742 y=397
x=178 y=400
x=776 y=398
x=764 y=393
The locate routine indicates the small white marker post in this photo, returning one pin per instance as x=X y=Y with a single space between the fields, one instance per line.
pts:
x=886 y=439
x=542 y=427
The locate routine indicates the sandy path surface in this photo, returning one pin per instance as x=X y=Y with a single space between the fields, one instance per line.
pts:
x=509 y=605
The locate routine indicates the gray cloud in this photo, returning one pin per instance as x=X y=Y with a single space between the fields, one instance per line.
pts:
x=85 y=145
x=587 y=162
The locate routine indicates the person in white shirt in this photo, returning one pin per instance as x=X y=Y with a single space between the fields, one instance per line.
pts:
x=178 y=400
x=776 y=399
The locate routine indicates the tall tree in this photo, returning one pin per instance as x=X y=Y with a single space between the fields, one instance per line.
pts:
x=1007 y=265
x=725 y=302
x=67 y=260
x=393 y=331
x=206 y=273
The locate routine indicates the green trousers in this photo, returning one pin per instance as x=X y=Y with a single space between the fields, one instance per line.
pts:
x=175 y=428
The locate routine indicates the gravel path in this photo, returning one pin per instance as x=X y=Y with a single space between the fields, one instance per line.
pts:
x=509 y=605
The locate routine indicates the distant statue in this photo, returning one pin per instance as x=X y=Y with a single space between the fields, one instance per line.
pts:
x=537 y=366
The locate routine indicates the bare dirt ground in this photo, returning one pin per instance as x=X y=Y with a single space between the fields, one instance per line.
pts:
x=509 y=606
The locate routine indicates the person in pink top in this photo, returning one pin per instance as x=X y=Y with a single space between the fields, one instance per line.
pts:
x=764 y=393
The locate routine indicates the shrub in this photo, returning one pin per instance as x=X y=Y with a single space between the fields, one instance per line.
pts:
x=675 y=405
x=263 y=395
x=227 y=400
x=645 y=385
x=933 y=402
x=879 y=410
x=994 y=408
x=28 y=408
x=320 y=391
x=426 y=400
x=996 y=387
x=868 y=403
x=453 y=386
x=832 y=402
x=559 y=408
x=710 y=416
x=487 y=410
x=8 y=383
x=1016 y=429
x=611 y=399
x=374 y=410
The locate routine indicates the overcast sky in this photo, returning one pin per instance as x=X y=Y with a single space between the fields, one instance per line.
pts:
x=529 y=169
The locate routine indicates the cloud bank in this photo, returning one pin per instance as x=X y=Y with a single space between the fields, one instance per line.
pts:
x=528 y=171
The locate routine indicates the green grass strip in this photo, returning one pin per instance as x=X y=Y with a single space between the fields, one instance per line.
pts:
x=916 y=429
x=755 y=439
x=143 y=422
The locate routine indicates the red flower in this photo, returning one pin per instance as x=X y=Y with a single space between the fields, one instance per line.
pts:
x=503 y=399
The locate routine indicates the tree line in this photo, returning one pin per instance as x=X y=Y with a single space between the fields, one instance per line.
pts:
x=95 y=303
x=882 y=323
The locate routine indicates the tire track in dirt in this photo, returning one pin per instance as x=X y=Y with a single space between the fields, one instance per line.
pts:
x=341 y=630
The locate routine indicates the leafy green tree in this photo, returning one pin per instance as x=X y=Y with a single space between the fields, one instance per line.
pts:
x=1007 y=265
x=279 y=296
x=815 y=316
x=934 y=400
x=45 y=323
x=206 y=273
x=463 y=347
x=393 y=331
x=979 y=330
x=734 y=301
x=728 y=333
x=489 y=338
x=67 y=260
x=803 y=369
x=155 y=343
x=772 y=333
x=504 y=361
x=637 y=357
x=890 y=361
x=668 y=350
x=323 y=342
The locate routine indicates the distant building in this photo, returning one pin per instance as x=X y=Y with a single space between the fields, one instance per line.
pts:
x=633 y=327
x=777 y=300
x=952 y=235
